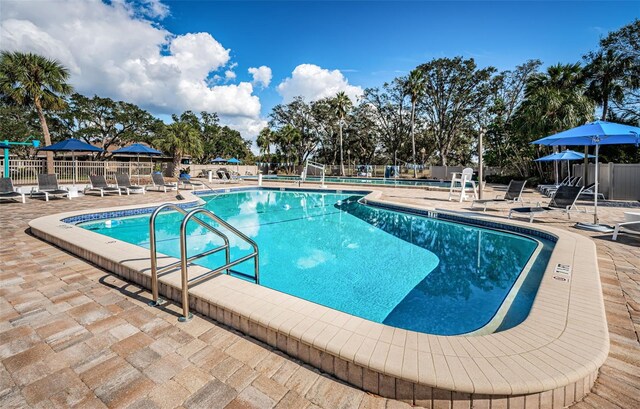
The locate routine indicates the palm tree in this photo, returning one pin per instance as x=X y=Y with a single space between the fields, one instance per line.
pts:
x=554 y=101
x=343 y=106
x=28 y=79
x=180 y=138
x=264 y=140
x=606 y=75
x=414 y=86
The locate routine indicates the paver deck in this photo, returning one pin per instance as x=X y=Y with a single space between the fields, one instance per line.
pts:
x=72 y=334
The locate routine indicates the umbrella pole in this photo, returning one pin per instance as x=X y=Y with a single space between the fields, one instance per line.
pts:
x=138 y=168
x=595 y=198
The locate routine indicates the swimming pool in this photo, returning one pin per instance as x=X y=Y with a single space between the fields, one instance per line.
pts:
x=400 y=269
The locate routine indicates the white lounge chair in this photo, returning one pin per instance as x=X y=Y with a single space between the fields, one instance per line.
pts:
x=631 y=222
x=48 y=187
x=99 y=184
x=565 y=182
x=8 y=191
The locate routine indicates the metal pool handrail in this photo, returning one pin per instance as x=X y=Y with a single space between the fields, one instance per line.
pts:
x=153 y=247
x=184 y=260
x=186 y=315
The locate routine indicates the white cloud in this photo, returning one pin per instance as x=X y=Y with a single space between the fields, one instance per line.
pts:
x=261 y=75
x=116 y=50
x=314 y=82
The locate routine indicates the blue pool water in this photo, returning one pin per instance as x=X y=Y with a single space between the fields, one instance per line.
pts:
x=363 y=181
x=400 y=269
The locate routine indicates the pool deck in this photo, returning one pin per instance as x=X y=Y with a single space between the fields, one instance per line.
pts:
x=72 y=333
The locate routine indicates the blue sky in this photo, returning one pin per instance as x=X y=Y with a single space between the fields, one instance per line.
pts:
x=373 y=42
x=240 y=58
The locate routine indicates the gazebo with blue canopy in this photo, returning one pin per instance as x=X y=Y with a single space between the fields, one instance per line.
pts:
x=138 y=149
x=594 y=134
x=72 y=145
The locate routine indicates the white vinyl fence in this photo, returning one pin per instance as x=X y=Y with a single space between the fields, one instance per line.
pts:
x=25 y=171
x=616 y=181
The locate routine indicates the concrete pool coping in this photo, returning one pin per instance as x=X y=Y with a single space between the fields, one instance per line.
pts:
x=549 y=360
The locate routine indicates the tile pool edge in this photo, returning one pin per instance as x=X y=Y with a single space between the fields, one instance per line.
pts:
x=551 y=358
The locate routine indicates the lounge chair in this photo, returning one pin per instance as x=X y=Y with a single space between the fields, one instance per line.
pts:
x=48 y=187
x=563 y=200
x=234 y=177
x=223 y=175
x=590 y=191
x=8 y=192
x=123 y=182
x=190 y=182
x=513 y=194
x=631 y=222
x=565 y=182
x=99 y=184
x=158 y=182
x=573 y=182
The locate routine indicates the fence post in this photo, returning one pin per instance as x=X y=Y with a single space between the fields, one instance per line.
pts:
x=612 y=167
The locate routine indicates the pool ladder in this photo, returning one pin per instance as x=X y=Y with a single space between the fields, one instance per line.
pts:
x=184 y=260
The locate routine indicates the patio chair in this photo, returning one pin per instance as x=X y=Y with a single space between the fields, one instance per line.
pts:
x=195 y=184
x=223 y=175
x=590 y=191
x=123 y=182
x=8 y=192
x=234 y=177
x=158 y=182
x=48 y=187
x=631 y=222
x=512 y=195
x=564 y=182
x=99 y=184
x=574 y=181
x=563 y=200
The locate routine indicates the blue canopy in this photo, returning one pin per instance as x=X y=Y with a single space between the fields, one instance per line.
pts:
x=234 y=160
x=564 y=155
x=218 y=160
x=595 y=133
x=71 y=145
x=4 y=146
x=138 y=149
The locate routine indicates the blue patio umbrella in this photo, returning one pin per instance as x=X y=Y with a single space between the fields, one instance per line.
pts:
x=567 y=155
x=595 y=134
x=236 y=161
x=218 y=160
x=72 y=145
x=138 y=149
